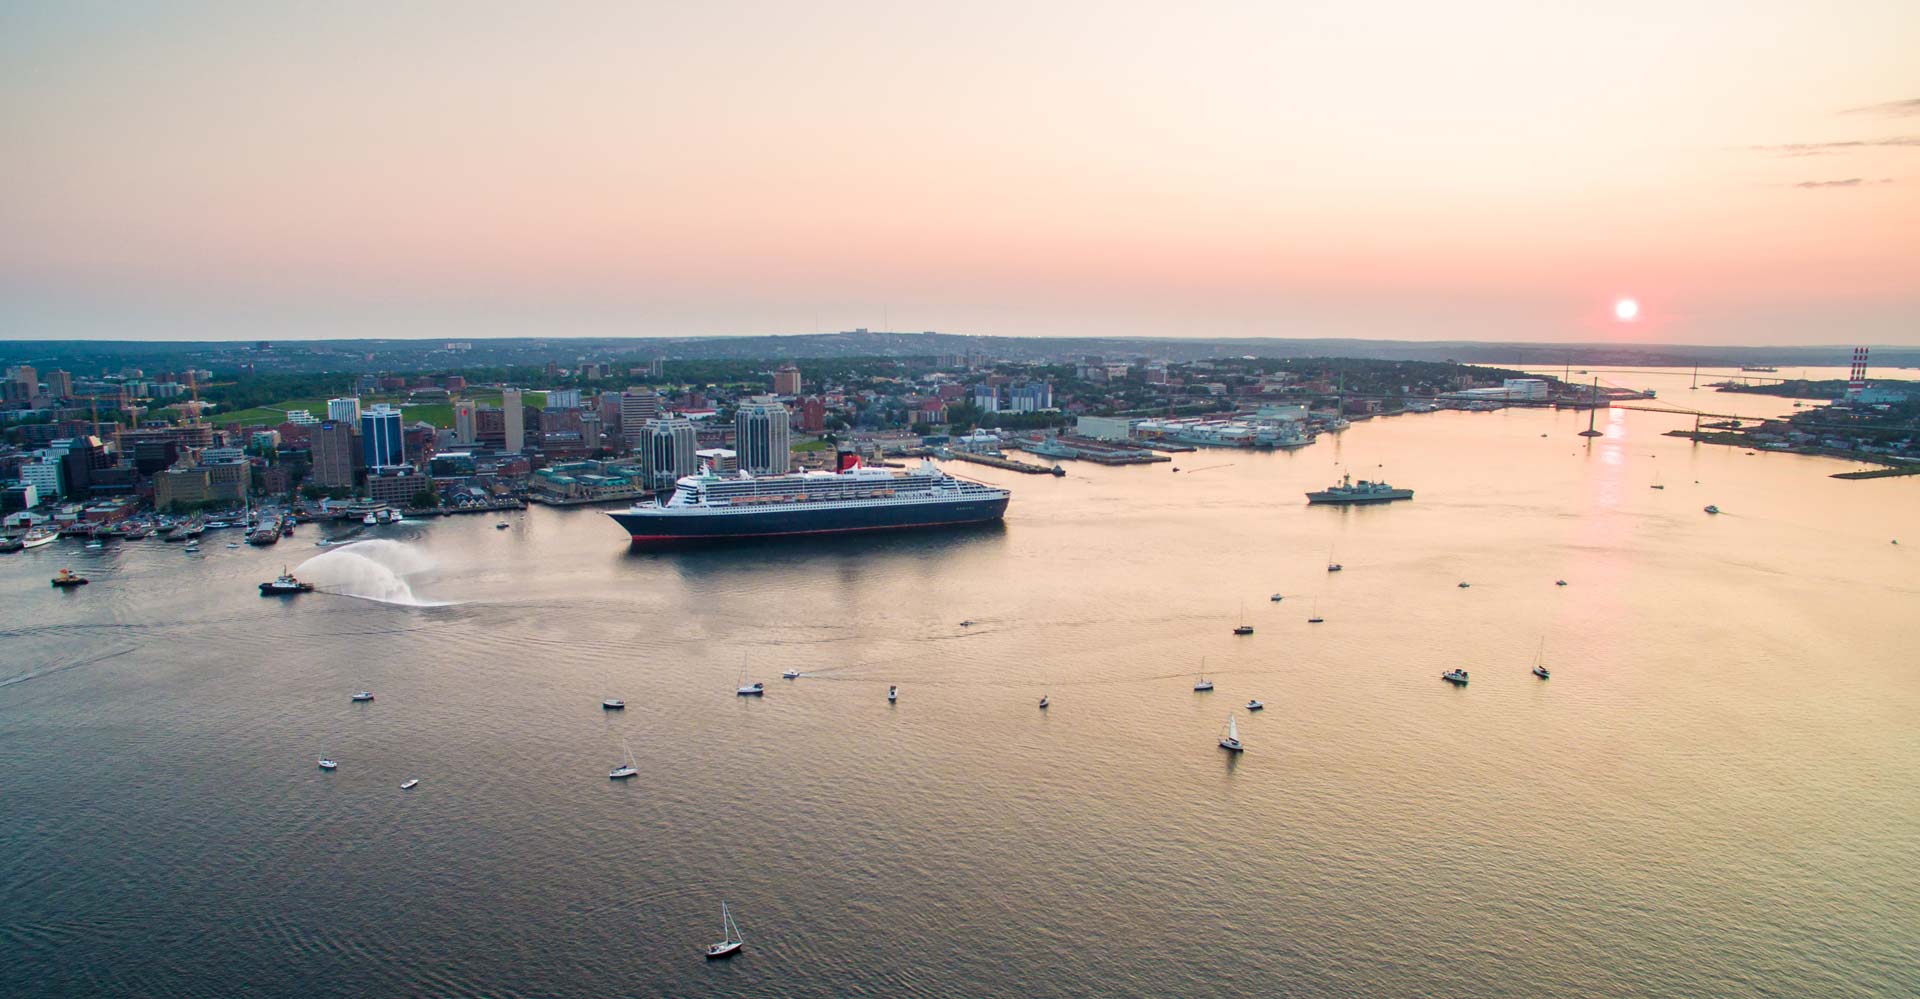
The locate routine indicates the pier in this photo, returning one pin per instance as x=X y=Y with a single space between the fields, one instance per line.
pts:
x=998 y=461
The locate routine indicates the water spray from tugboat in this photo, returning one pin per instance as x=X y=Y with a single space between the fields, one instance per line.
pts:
x=371 y=570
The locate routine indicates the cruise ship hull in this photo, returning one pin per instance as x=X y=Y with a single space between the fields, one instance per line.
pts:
x=1349 y=498
x=666 y=526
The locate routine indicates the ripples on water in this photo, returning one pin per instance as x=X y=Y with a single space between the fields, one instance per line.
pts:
x=1712 y=796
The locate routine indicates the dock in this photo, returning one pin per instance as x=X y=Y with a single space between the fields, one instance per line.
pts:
x=1007 y=463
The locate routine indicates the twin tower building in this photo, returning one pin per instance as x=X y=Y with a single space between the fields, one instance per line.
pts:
x=669 y=447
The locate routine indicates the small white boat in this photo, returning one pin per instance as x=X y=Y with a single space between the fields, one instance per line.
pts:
x=369 y=520
x=893 y=694
x=1043 y=702
x=1334 y=567
x=191 y=549
x=409 y=783
x=322 y=543
x=792 y=674
x=96 y=544
x=1458 y=676
x=614 y=704
x=751 y=690
x=1231 y=741
x=1540 y=670
x=233 y=544
x=501 y=526
x=327 y=764
x=1255 y=705
x=1540 y=661
x=730 y=942
x=625 y=769
x=363 y=695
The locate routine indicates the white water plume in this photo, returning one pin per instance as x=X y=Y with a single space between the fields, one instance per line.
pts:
x=371 y=570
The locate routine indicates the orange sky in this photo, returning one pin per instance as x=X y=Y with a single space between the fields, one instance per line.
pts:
x=1749 y=171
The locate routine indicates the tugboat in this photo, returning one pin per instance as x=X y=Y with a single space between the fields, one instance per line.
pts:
x=285 y=585
x=1458 y=676
x=67 y=579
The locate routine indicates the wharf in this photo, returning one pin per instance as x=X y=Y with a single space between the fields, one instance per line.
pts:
x=1007 y=463
x=1109 y=453
x=617 y=496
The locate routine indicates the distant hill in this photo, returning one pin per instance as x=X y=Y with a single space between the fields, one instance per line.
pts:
x=89 y=357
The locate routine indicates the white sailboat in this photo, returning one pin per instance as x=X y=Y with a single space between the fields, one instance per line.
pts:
x=626 y=769
x=1540 y=662
x=1231 y=741
x=1200 y=682
x=730 y=942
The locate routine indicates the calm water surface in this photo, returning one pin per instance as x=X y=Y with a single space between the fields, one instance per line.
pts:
x=1714 y=795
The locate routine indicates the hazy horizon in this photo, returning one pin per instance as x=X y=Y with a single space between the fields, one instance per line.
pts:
x=1749 y=174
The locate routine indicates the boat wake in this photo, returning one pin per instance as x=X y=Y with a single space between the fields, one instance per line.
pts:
x=370 y=570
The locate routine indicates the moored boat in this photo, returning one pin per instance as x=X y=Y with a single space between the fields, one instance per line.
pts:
x=1457 y=676
x=66 y=578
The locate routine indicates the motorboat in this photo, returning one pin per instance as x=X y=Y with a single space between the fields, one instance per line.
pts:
x=1231 y=740
x=1559 y=582
x=730 y=942
x=751 y=690
x=792 y=674
x=1464 y=584
x=1334 y=567
x=1458 y=676
x=363 y=695
x=1276 y=598
x=407 y=785
x=1043 y=702
x=893 y=694
x=233 y=544
x=1712 y=509
x=327 y=763
x=501 y=526
x=66 y=578
x=1244 y=629
x=614 y=704
x=1255 y=705
x=96 y=544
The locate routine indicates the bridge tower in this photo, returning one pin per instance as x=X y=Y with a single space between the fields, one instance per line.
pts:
x=1857 y=378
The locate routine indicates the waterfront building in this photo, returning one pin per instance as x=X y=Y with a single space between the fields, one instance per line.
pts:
x=15 y=498
x=396 y=485
x=761 y=437
x=515 y=414
x=382 y=443
x=451 y=464
x=335 y=451
x=786 y=380
x=1105 y=428
x=668 y=447
x=345 y=409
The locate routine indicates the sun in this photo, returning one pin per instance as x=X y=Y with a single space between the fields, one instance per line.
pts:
x=1626 y=310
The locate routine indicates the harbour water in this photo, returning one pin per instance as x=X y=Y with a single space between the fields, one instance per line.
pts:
x=1717 y=793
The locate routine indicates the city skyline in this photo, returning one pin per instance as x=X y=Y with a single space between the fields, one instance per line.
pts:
x=1745 y=174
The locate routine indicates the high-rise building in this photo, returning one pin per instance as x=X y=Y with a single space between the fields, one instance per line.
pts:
x=464 y=428
x=668 y=449
x=344 y=410
x=515 y=414
x=334 y=449
x=1030 y=397
x=590 y=429
x=563 y=399
x=381 y=441
x=46 y=477
x=813 y=415
x=637 y=406
x=761 y=437
x=786 y=381
x=59 y=384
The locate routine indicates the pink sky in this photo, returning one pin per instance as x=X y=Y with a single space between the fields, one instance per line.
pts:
x=1749 y=171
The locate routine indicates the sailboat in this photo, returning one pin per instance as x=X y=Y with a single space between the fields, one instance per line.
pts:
x=626 y=769
x=1313 y=617
x=1243 y=628
x=1540 y=661
x=1200 y=682
x=730 y=942
x=1332 y=566
x=1231 y=741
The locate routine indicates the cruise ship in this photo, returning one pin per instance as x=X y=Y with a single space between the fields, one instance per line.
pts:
x=709 y=507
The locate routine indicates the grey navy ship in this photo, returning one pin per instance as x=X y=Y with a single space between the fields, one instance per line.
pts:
x=710 y=507
x=1349 y=491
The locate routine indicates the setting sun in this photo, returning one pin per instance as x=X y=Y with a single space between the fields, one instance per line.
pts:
x=1626 y=310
